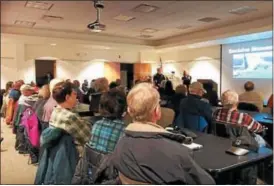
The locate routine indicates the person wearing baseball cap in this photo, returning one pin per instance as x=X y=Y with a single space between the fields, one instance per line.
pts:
x=195 y=113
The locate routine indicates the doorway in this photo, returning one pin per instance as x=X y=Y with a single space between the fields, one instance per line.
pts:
x=42 y=67
x=127 y=75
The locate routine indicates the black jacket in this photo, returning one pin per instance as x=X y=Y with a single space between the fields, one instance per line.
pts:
x=193 y=104
x=59 y=158
x=151 y=155
x=87 y=167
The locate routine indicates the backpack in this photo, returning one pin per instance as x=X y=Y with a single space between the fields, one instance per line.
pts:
x=31 y=123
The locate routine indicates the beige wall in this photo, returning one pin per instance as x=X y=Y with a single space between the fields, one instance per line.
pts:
x=201 y=63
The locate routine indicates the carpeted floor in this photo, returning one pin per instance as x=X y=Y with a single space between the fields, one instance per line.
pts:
x=14 y=166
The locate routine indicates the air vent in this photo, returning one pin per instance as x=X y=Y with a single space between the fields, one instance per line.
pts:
x=144 y=8
x=242 y=10
x=208 y=19
x=183 y=27
x=39 y=5
x=149 y=30
x=123 y=18
x=50 y=18
x=146 y=36
x=24 y=23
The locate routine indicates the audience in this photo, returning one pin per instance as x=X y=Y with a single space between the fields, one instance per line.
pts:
x=107 y=131
x=192 y=108
x=78 y=90
x=14 y=95
x=113 y=85
x=135 y=154
x=63 y=118
x=229 y=113
x=251 y=96
x=180 y=93
x=51 y=103
x=211 y=95
x=169 y=89
x=85 y=86
x=101 y=85
x=6 y=98
x=44 y=95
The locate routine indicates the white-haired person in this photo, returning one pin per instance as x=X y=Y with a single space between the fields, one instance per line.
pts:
x=229 y=114
x=147 y=153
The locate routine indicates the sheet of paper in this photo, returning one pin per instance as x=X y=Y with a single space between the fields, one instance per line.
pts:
x=193 y=146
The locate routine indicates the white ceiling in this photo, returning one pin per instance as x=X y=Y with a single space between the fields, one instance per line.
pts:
x=169 y=16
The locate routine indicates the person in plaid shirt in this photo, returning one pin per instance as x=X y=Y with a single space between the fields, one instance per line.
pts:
x=107 y=131
x=230 y=114
x=62 y=117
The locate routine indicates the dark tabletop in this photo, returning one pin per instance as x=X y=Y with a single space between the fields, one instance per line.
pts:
x=213 y=158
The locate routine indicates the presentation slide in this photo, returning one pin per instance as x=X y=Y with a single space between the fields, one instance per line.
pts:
x=252 y=62
x=248 y=61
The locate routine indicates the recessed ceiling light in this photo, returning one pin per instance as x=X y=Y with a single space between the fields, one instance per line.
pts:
x=242 y=10
x=50 y=18
x=24 y=23
x=208 y=19
x=183 y=27
x=123 y=18
x=145 y=36
x=53 y=44
x=149 y=30
x=39 y=5
x=144 y=8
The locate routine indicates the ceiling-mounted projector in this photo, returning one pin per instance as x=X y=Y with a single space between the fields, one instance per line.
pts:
x=96 y=27
x=98 y=4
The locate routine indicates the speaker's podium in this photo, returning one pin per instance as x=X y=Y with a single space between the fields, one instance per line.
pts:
x=208 y=82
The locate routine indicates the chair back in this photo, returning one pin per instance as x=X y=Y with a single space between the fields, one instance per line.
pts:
x=167 y=117
x=248 y=107
x=192 y=122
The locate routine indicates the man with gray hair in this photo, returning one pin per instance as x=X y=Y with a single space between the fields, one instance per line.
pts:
x=147 y=153
x=230 y=114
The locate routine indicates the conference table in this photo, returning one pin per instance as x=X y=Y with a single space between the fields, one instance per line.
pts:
x=214 y=159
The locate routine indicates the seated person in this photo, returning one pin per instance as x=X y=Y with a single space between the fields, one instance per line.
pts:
x=229 y=113
x=107 y=131
x=100 y=86
x=251 y=96
x=51 y=103
x=78 y=90
x=211 y=95
x=180 y=93
x=43 y=95
x=169 y=89
x=62 y=117
x=14 y=95
x=147 y=153
x=28 y=96
x=194 y=105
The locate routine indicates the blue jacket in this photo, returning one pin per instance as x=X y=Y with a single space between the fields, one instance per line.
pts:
x=59 y=158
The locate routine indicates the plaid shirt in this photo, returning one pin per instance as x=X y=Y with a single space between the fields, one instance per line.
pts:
x=71 y=122
x=235 y=117
x=105 y=134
